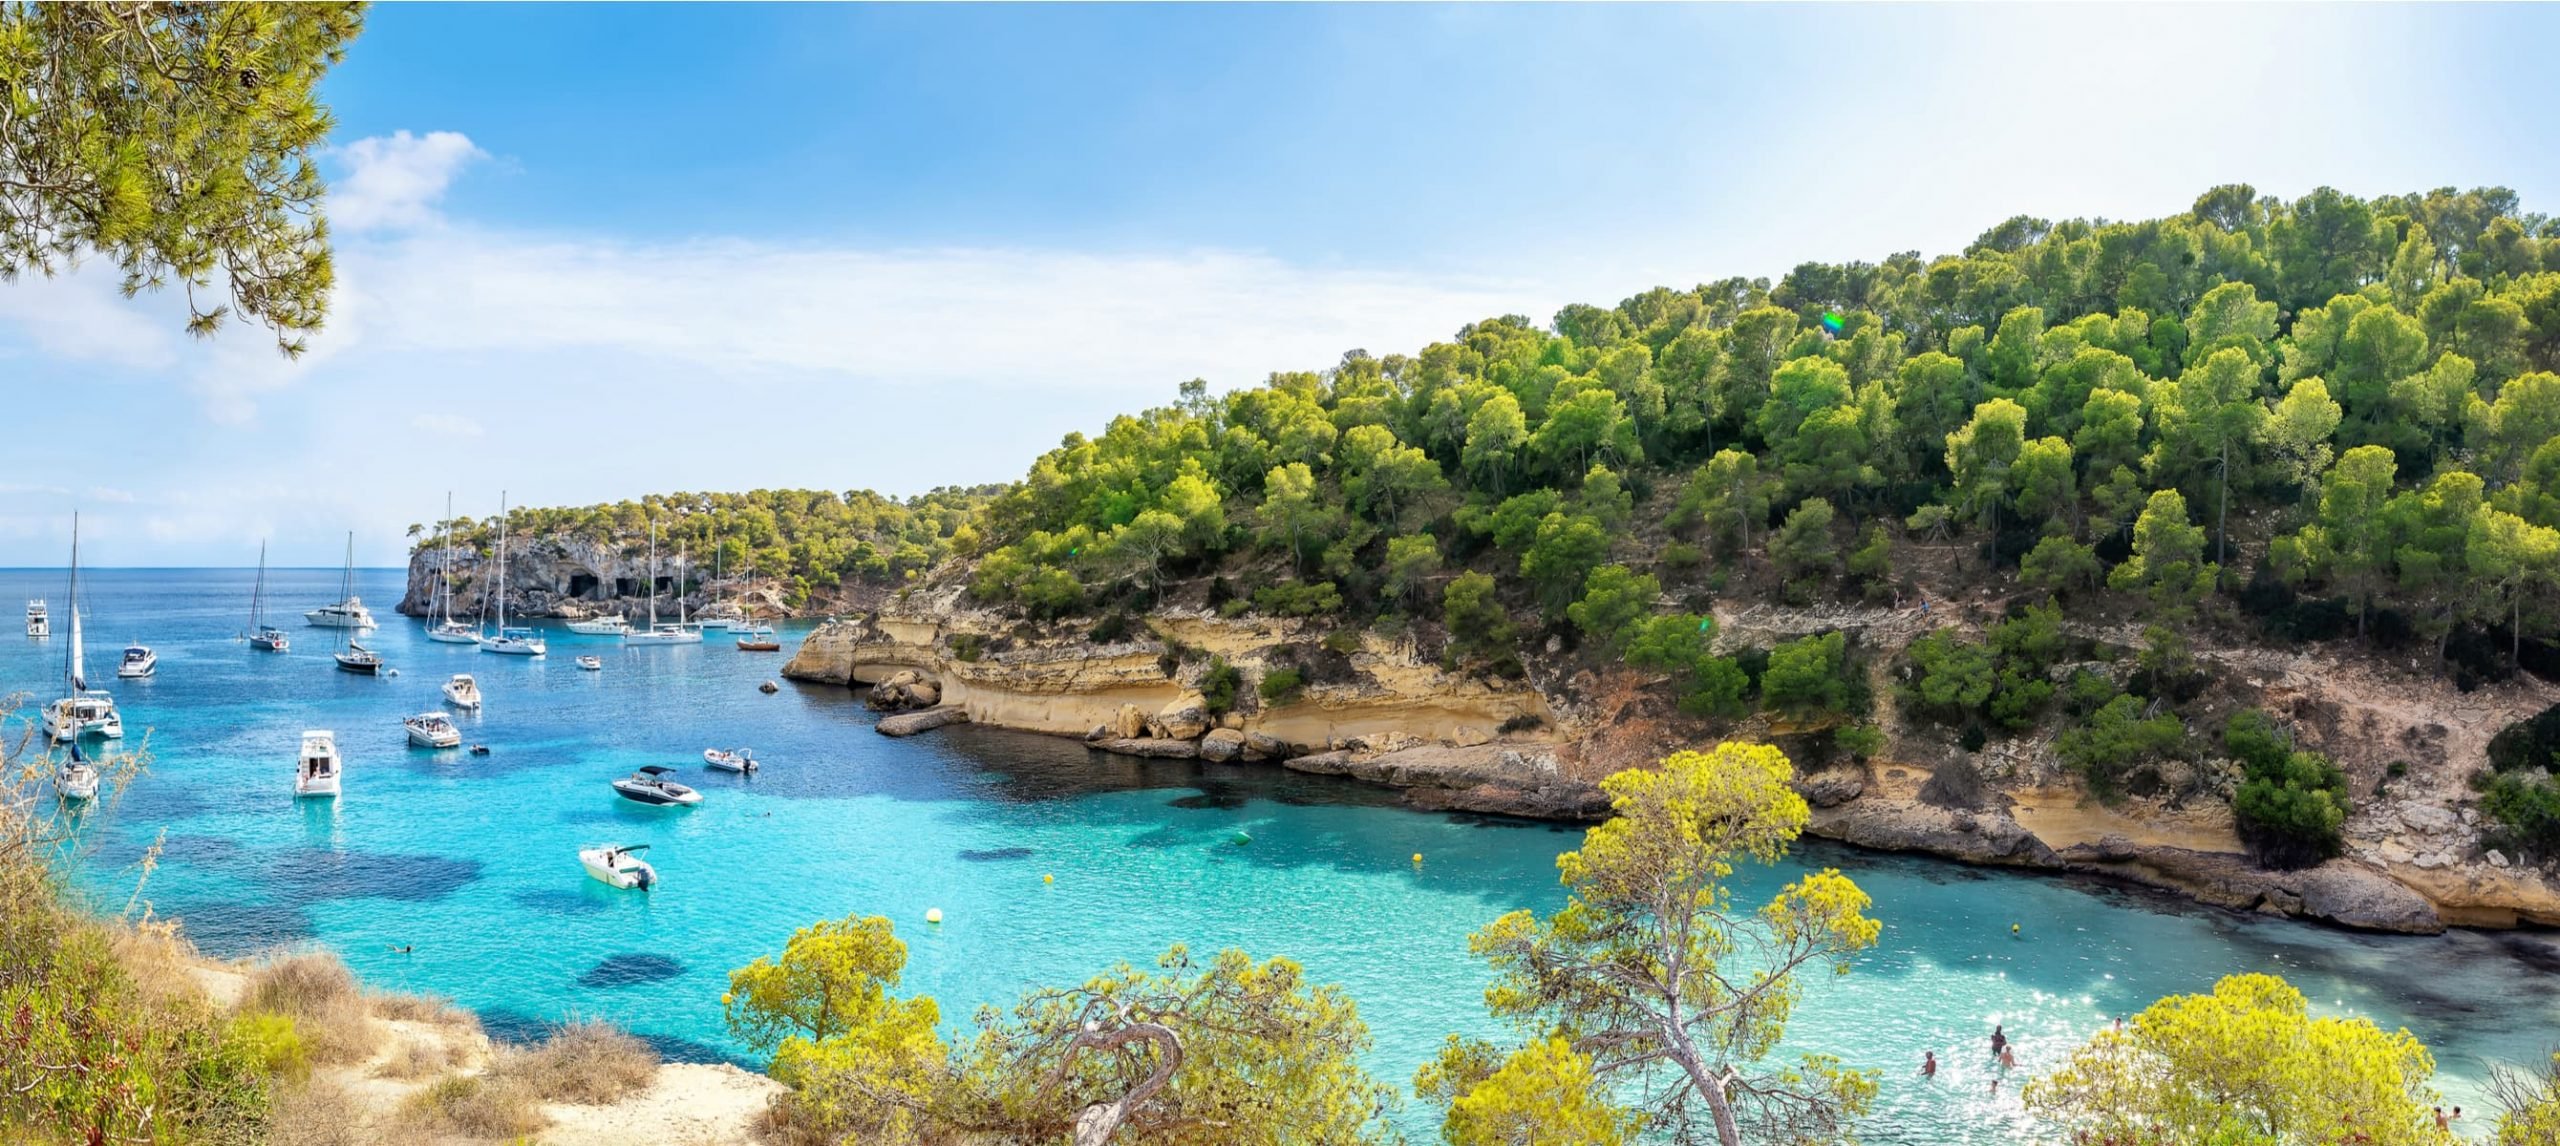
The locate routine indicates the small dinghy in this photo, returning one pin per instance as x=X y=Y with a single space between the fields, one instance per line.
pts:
x=650 y=785
x=730 y=760
x=432 y=730
x=591 y=663
x=479 y=749
x=619 y=865
x=317 y=774
x=758 y=639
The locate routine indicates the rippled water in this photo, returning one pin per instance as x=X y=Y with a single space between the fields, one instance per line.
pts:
x=471 y=862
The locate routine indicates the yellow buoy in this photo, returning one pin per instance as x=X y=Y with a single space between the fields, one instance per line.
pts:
x=933 y=915
x=1417 y=857
x=1048 y=878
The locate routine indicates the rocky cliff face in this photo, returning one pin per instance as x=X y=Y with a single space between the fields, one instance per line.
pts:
x=576 y=577
x=1382 y=713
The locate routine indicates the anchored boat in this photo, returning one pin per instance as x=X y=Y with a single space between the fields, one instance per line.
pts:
x=619 y=865
x=316 y=772
x=441 y=626
x=509 y=642
x=650 y=785
x=730 y=760
x=85 y=711
x=75 y=778
x=462 y=692
x=139 y=661
x=263 y=636
x=432 y=730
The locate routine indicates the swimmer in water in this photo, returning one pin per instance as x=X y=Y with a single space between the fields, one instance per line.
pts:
x=1928 y=1064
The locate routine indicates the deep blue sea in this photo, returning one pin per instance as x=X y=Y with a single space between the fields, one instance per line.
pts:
x=471 y=862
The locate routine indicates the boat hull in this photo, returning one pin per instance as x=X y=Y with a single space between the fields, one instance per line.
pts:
x=628 y=875
x=358 y=667
x=453 y=636
x=267 y=644
x=600 y=628
x=661 y=638
x=654 y=796
x=327 y=620
x=305 y=789
x=459 y=699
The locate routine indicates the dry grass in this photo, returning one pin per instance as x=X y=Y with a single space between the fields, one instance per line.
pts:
x=418 y=1058
x=474 y=1106
x=160 y=960
x=319 y=1114
x=420 y=1009
x=584 y=1064
x=321 y=995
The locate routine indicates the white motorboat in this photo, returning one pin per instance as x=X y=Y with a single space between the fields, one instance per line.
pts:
x=619 y=865
x=39 y=622
x=441 y=627
x=432 y=730
x=609 y=626
x=650 y=785
x=317 y=772
x=139 y=661
x=263 y=636
x=461 y=691
x=83 y=711
x=75 y=778
x=591 y=663
x=678 y=633
x=347 y=614
x=518 y=642
x=730 y=759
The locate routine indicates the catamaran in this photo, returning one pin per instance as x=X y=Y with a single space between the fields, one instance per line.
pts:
x=316 y=773
x=678 y=633
x=440 y=623
x=511 y=642
x=262 y=635
x=86 y=711
x=39 y=622
x=354 y=658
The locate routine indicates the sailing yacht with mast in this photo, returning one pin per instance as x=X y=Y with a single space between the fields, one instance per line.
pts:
x=440 y=623
x=722 y=615
x=349 y=612
x=263 y=636
x=352 y=657
x=657 y=634
x=517 y=642
x=85 y=711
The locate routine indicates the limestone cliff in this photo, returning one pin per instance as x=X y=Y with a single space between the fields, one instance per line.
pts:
x=575 y=576
x=1380 y=711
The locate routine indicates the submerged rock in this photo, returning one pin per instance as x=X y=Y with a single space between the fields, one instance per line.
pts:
x=910 y=723
x=1158 y=747
x=1222 y=745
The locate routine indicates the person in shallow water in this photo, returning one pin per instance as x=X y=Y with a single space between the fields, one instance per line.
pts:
x=1928 y=1064
x=2008 y=1058
x=1999 y=1040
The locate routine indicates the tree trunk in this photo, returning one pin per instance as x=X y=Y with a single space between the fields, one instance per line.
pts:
x=2222 y=514
x=1099 y=1121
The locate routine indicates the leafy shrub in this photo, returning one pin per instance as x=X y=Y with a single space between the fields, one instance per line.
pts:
x=2018 y=698
x=1614 y=598
x=2116 y=740
x=2293 y=804
x=968 y=646
x=1707 y=685
x=1298 y=599
x=1341 y=642
x=270 y=1042
x=1478 y=624
x=2524 y=812
x=1219 y=686
x=2528 y=744
x=1809 y=677
x=1950 y=676
x=1281 y=685
x=1860 y=741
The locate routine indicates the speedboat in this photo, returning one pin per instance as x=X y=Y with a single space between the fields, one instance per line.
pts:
x=758 y=639
x=270 y=639
x=453 y=633
x=360 y=660
x=664 y=634
x=612 y=626
x=139 y=661
x=619 y=865
x=347 y=614
x=462 y=692
x=730 y=760
x=432 y=730
x=317 y=772
x=39 y=622
x=75 y=778
x=89 y=712
x=650 y=785
x=591 y=663
x=516 y=643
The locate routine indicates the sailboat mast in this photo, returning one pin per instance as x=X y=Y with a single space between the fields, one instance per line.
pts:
x=503 y=521
x=653 y=571
x=443 y=613
x=258 y=591
x=347 y=585
x=71 y=666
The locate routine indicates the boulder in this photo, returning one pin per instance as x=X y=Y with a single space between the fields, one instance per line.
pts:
x=910 y=723
x=1185 y=718
x=1222 y=745
x=1264 y=746
x=1129 y=723
x=2114 y=849
x=1156 y=747
x=924 y=694
x=2351 y=894
x=1831 y=789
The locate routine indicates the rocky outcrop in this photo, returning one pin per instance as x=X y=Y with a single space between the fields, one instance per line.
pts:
x=910 y=723
x=574 y=576
x=903 y=691
x=1222 y=745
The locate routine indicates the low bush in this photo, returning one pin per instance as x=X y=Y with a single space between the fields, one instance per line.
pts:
x=2117 y=739
x=1298 y=599
x=317 y=1114
x=1219 y=686
x=584 y=1064
x=476 y=1106
x=1281 y=685
x=2523 y=813
x=321 y=996
x=2292 y=805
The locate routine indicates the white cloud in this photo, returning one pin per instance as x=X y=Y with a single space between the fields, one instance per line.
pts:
x=393 y=181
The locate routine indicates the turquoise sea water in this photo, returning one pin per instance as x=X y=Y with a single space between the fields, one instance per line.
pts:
x=471 y=861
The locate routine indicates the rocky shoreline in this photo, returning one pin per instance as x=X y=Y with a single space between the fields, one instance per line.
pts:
x=1383 y=714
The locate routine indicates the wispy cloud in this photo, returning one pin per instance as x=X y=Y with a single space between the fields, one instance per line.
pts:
x=449 y=425
x=395 y=181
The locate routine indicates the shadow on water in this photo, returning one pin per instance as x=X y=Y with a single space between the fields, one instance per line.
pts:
x=520 y=1029
x=233 y=930
x=994 y=855
x=560 y=901
x=631 y=970
x=305 y=875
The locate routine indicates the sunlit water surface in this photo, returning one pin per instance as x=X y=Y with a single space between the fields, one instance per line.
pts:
x=470 y=863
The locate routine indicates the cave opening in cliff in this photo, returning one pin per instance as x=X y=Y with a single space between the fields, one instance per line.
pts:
x=625 y=587
x=582 y=584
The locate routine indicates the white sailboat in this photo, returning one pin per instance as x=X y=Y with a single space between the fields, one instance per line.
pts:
x=85 y=711
x=353 y=657
x=75 y=778
x=519 y=642
x=263 y=636
x=721 y=616
x=349 y=612
x=658 y=634
x=316 y=772
x=440 y=623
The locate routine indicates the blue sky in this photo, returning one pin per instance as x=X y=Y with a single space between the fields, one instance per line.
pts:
x=590 y=251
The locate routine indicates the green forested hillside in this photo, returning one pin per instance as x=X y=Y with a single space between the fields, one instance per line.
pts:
x=2327 y=418
x=809 y=538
